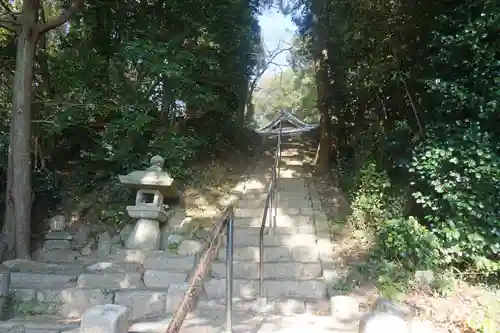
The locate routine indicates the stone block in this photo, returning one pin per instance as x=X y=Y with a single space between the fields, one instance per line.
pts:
x=170 y=262
x=73 y=302
x=57 y=244
x=59 y=235
x=281 y=221
x=56 y=255
x=115 y=267
x=104 y=244
x=294 y=203
x=248 y=212
x=127 y=255
x=245 y=289
x=325 y=249
x=142 y=303
x=23 y=279
x=145 y=236
x=379 y=323
x=23 y=294
x=295 y=240
x=108 y=318
x=344 y=308
x=251 y=253
x=176 y=293
x=273 y=270
x=110 y=280
x=162 y=279
x=190 y=247
x=306 y=289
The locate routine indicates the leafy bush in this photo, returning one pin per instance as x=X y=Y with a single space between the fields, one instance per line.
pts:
x=406 y=241
x=457 y=183
x=372 y=200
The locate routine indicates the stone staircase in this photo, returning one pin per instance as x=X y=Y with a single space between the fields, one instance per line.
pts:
x=151 y=283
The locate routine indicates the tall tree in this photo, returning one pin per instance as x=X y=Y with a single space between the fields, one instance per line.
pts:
x=28 y=29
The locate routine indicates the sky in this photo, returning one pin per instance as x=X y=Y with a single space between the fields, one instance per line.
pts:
x=276 y=28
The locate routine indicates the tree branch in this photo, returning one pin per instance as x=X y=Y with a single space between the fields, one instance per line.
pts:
x=9 y=24
x=64 y=17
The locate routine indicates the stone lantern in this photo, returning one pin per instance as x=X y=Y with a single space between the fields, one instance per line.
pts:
x=152 y=185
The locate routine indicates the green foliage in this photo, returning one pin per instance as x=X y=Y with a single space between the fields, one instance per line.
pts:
x=406 y=241
x=413 y=93
x=457 y=185
x=115 y=86
x=292 y=89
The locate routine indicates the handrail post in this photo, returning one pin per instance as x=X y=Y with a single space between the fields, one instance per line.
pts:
x=229 y=273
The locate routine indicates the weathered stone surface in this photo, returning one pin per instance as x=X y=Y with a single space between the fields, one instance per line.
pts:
x=174 y=240
x=38 y=324
x=82 y=235
x=109 y=318
x=306 y=289
x=145 y=236
x=175 y=295
x=274 y=270
x=104 y=242
x=73 y=302
x=89 y=248
x=190 y=247
x=279 y=230
x=182 y=225
x=40 y=279
x=294 y=203
x=142 y=303
x=344 y=308
x=276 y=240
x=283 y=221
x=4 y=291
x=127 y=255
x=246 y=289
x=273 y=254
x=170 y=262
x=325 y=250
x=55 y=244
x=59 y=235
x=56 y=255
x=4 y=280
x=115 y=267
x=126 y=232
x=110 y=280
x=57 y=223
x=162 y=279
x=380 y=322
x=165 y=231
x=23 y=294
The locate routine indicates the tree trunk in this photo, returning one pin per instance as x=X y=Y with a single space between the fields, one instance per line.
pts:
x=18 y=203
x=324 y=151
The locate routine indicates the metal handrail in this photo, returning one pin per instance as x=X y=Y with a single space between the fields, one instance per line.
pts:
x=271 y=201
x=209 y=254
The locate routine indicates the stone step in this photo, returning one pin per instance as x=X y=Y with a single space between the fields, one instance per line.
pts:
x=272 y=270
x=282 y=211
x=290 y=240
x=284 y=231
x=273 y=254
x=283 y=306
x=249 y=289
x=110 y=280
x=212 y=320
x=282 y=221
x=42 y=280
x=282 y=195
x=73 y=302
x=39 y=324
x=282 y=203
